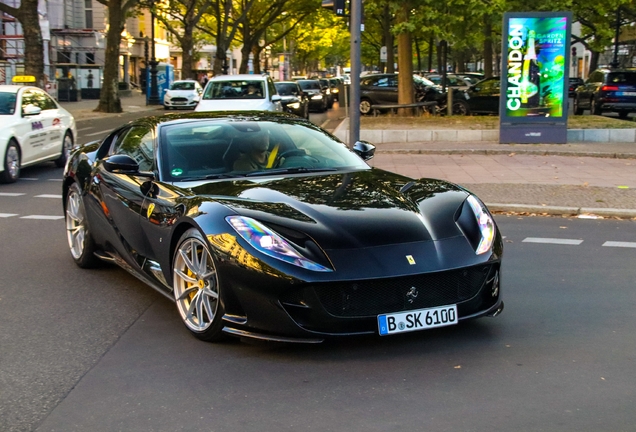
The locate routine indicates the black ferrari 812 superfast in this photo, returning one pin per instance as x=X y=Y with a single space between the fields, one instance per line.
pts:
x=263 y=225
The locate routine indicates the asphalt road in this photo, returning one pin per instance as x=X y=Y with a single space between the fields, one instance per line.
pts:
x=97 y=350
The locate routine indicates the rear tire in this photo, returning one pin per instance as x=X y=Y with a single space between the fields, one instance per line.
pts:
x=623 y=115
x=576 y=108
x=67 y=146
x=594 y=108
x=461 y=108
x=11 y=163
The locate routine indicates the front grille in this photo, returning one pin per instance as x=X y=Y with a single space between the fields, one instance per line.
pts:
x=377 y=296
x=179 y=99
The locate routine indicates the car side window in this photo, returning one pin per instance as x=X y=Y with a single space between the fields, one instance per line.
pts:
x=382 y=82
x=137 y=143
x=272 y=88
x=27 y=99
x=43 y=100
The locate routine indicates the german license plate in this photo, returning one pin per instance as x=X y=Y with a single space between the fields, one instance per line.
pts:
x=420 y=319
x=627 y=93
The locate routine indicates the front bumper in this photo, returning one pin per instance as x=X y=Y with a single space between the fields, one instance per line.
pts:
x=287 y=310
x=180 y=103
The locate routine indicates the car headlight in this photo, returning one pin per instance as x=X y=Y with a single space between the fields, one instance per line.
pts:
x=485 y=224
x=294 y=105
x=334 y=90
x=166 y=96
x=316 y=97
x=271 y=244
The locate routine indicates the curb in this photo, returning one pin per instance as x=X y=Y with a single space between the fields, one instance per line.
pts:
x=488 y=152
x=562 y=211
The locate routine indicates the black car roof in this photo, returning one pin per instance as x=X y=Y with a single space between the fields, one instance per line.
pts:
x=176 y=118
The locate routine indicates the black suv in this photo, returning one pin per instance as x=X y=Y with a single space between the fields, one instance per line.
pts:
x=382 y=89
x=607 y=90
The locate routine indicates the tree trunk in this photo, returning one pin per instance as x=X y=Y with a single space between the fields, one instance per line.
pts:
x=220 y=58
x=33 y=45
x=257 y=59
x=109 y=98
x=417 y=53
x=488 y=54
x=405 y=65
x=187 y=49
x=593 y=62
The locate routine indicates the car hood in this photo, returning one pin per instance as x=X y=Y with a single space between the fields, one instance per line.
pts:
x=233 y=105
x=345 y=211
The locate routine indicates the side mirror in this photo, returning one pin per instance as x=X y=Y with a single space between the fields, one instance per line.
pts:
x=276 y=98
x=124 y=164
x=364 y=149
x=31 y=110
x=121 y=164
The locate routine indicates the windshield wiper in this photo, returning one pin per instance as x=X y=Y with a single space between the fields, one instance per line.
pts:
x=291 y=170
x=222 y=176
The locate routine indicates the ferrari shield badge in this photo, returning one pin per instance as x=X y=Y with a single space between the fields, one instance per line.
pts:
x=151 y=207
x=410 y=259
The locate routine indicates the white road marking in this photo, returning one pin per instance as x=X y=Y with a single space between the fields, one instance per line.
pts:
x=57 y=180
x=325 y=123
x=620 y=244
x=29 y=178
x=98 y=133
x=48 y=196
x=7 y=215
x=83 y=129
x=13 y=194
x=552 y=241
x=45 y=217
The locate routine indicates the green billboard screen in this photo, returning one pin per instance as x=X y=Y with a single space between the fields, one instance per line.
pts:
x=536 y=55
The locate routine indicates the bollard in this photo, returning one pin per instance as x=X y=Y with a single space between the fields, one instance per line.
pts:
x=449 y=102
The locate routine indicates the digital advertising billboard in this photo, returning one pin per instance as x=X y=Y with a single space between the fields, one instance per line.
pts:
x=535 y=59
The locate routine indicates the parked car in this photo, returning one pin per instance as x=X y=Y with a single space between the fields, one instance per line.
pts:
x=452 y=80
x=35 y=129
x=247 y=92
x=382 y=89
x=335 y=85
x=314 y=245
x=182 y=94
x=483 y=97
x=293 y=99
x=573 y=84
x=318 y=100
x=607 y=90
x=326 y=88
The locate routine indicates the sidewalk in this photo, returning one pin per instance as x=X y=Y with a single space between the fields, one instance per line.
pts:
x=83 y=110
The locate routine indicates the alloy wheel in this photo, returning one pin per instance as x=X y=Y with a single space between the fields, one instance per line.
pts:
x=196 y=286
x=75 y=224
x=13 y=162
x=365 y=106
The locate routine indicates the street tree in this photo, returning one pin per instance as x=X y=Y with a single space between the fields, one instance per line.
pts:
x=117 y=12
x=222 y=23
x=180 y=18
x=28 y=16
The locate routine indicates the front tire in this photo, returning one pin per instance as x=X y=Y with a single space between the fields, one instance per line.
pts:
x=11 y=163
x=79 y=239
x=365 y=106
x=67 y=146
x=196 y=287
x=461 y=108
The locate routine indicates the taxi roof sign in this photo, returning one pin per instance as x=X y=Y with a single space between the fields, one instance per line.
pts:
x=23 y=79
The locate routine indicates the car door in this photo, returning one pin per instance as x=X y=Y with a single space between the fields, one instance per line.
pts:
x=52 y=124
x=484 y=96
x=30 y=129
x=122 y=195
x=585 y=93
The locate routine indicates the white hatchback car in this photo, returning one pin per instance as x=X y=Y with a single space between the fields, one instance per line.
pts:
x=34 y=129
x=246 y=92
x=182 y=94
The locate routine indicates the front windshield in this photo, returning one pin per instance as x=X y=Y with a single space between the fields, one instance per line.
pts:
x=182 y=85
x=214 y=149
x=243 y=89
x=7 y=103
x=286 y=89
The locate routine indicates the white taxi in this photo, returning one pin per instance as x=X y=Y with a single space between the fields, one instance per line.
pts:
x=35 y=128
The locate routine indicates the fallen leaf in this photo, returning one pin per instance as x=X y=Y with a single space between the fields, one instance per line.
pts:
x=512 y=154
x=603 y=378
x=458 y=367
x=586 y=184
x=563 y=227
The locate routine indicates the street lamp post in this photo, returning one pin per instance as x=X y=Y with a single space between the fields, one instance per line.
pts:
x=153 y=99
